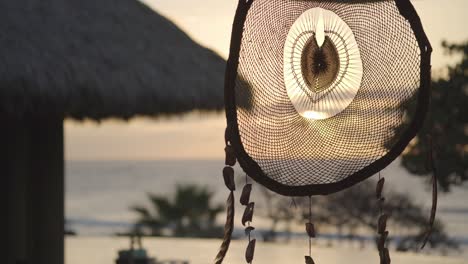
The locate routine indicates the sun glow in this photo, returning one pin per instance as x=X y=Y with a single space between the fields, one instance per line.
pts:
x=318 y=92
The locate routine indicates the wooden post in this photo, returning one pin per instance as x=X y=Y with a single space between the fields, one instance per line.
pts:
x=34 y=164
x=15 y=170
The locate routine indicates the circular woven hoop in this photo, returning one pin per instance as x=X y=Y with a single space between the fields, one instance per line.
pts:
x=251 y=166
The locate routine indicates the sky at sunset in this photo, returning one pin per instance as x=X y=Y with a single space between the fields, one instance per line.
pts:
x=197 y=136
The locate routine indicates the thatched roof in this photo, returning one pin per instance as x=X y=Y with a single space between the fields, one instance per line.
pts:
x=99 y=59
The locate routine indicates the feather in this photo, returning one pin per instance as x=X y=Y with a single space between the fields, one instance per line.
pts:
x=379 y=188
x=245 y=196
x=249 y=253
x=310 y=228
x=433 y=211
x=228 y=175
x=385 y=256
x=230 y=156
x=382 y=224
x=309 y=260
x=382 y=240
x=248 y=213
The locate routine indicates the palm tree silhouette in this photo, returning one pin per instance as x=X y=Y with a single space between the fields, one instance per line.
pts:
x=188 y=214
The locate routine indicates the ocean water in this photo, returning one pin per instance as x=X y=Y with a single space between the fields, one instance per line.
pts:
x=99 y=194
x=95 y=250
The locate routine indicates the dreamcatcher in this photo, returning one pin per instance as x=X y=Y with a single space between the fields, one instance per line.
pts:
x=321 y=95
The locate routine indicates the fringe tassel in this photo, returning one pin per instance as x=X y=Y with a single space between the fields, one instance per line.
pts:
x=434 y=195
x=382 y=224
x=228 y=228
x=432 y=165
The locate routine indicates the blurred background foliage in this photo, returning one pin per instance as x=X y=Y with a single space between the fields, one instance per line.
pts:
x=447 y=123
x=189 y=213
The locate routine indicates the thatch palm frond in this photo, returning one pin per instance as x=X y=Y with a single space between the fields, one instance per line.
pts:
x=100 y=59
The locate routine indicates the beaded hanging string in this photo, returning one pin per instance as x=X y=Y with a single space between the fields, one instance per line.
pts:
x=247 y=219
x=382 y=224
x=228 y=176
x=310 y=229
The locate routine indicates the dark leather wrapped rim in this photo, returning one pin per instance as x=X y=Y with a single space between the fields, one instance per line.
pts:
x=251 y=167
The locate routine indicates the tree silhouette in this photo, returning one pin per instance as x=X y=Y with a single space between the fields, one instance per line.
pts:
x=188 y=214
x=355 y=209
x=447 y=122
x=358 y=207
x=278 y=209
